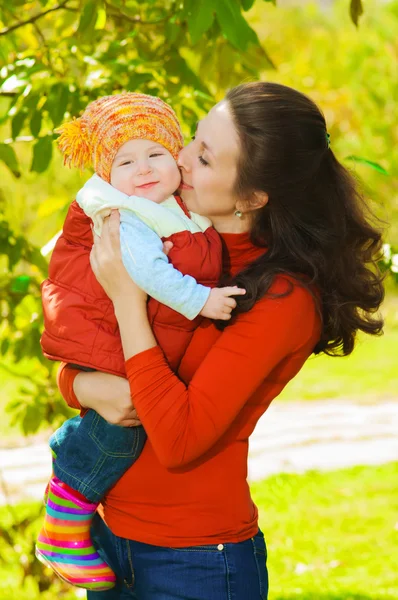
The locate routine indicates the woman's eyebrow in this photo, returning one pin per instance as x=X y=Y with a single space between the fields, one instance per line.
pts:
x=206 y=147
x=203 y=144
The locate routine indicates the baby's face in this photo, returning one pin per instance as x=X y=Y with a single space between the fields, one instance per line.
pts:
x=145 y=168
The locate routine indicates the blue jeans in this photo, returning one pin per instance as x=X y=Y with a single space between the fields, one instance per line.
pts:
x=214 y=572
x=92 y=454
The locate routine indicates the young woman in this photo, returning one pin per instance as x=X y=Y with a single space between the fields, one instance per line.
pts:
x=180 y=524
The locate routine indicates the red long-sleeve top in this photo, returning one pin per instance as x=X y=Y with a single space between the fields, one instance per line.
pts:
x=189 y=485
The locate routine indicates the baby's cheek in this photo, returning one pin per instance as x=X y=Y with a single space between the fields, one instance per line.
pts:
x=175 y=180
x=126 y=186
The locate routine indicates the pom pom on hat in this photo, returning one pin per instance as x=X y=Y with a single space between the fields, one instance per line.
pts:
x=111 y=121
x=74 y=144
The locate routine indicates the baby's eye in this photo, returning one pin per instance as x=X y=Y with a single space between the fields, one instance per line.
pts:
x=127 y=162
x=203 y=161
x=155 y=154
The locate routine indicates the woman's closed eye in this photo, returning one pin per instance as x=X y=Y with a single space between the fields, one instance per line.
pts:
x=203 y=161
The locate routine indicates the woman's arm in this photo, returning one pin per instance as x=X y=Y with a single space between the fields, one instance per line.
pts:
x=183 y=422
x=107 y=394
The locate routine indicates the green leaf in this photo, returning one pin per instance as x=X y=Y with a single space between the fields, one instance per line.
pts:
x=5 y=344
x=368 y=163
x=8 y=156
x=200 y=19
x=247 y=4
x=356 y=10
x=35 y=123
x=138 y=80
x=31 y=419
x=57 y=102
x=88 y=18
x=17 y=123
x=101 y=19
x=20 y=284
x=234 y=26
x=42 y=153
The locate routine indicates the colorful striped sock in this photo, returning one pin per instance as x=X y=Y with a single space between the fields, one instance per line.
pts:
x=64 y=543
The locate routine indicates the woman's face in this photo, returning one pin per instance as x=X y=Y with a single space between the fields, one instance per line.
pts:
x=209 y=167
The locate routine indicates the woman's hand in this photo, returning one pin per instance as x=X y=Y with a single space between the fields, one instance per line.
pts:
x=106 y=262
x=108 y=395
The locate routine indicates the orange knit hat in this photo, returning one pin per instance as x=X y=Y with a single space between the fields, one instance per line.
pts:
x=111 y=121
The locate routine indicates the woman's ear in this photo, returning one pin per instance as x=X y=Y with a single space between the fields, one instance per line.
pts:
x=255 y=201
x=259 y=199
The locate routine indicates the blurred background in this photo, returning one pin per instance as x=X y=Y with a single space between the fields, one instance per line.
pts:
x=323 y=459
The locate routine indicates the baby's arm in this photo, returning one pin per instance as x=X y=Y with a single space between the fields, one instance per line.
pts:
x=148 y=266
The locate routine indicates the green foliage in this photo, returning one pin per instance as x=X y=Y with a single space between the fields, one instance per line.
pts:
x=351 y=75
x=38 y=403
x=20 y=570
x=369 y=374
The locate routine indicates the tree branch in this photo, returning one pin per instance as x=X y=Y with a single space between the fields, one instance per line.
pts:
x=32 y=19
x=137 y=19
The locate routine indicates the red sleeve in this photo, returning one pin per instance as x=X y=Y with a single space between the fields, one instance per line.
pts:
x=184 y=422
x=65 y=379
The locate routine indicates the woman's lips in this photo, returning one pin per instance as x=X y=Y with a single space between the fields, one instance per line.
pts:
x=146 y=186
x=185 y=186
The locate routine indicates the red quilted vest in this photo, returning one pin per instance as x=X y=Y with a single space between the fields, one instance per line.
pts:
x=79 y=321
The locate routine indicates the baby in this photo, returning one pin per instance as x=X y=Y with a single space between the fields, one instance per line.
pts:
x=132 y=141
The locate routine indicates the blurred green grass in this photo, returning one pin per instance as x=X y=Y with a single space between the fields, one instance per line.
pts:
x=331 y=536
x=369 y=374
x=22 y=576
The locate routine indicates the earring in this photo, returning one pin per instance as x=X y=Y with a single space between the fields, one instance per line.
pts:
x=238 y=213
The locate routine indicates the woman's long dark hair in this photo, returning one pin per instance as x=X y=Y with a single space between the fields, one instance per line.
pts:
x=316 y=225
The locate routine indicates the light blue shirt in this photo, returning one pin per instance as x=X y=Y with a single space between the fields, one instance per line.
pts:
x=149 y=267
x=143 y=224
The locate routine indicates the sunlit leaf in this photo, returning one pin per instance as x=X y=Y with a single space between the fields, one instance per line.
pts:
x=35 y=123
x=101 y=19
x=356 y=11
x=8 y=156
x=17 y=123
x=200 y=19
x=247 y=4
x=42 y=153
x=88 y=18
x=233 y=25
x=57 y=102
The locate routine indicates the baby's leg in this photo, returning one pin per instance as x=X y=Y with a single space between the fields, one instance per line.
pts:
x=90 y=456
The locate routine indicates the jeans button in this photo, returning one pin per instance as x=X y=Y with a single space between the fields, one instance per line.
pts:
x=220 y=547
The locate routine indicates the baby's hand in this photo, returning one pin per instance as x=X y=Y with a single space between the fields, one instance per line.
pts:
x=219 y=305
